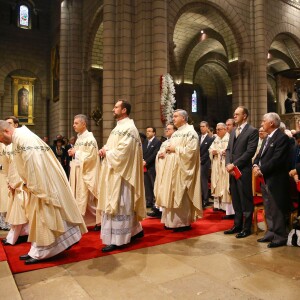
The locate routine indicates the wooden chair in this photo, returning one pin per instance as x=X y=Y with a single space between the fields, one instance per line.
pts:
x=294 y=194
x=258 y=202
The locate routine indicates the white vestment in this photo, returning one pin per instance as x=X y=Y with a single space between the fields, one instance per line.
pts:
x=122 y=195
x=4 y=163
x=84 y=175
x=55 y=222
x=178 y=188
x=219 y=175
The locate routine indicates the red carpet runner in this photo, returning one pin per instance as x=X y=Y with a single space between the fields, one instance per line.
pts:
x=90 y=245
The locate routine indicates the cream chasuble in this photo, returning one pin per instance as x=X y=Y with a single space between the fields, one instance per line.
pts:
x=219 y=175
x=180 y=178
x=16 y=210
x=84 y=171
x=4 y=162
x=159 y=168
x=123 y=161
x=50 y=199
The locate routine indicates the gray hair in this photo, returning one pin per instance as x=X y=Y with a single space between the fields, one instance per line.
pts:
x=183 y=113
x=282 y=126
x=274 y=118
x=4 y=125
x=82 y=117
x=221 y=124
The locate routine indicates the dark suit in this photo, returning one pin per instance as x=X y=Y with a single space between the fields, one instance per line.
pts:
x=61 y=156
x=69 y=159
x=149 y=155
x=205 y=166
x=274 y=165
x=239 y=152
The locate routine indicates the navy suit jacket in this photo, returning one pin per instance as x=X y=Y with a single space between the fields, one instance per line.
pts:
x=149 y=154
x=274 y=165
x=204 y=146
x=241 y=150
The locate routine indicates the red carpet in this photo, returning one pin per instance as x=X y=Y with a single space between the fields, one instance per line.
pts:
x=90 y=245
x=2 y=253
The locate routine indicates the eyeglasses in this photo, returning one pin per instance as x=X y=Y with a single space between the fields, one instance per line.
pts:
x=218 y=129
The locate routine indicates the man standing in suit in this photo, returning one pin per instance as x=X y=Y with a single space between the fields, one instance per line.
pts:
x=241 y=148
x=150 y=148
x=272 y=163
x=205 y=142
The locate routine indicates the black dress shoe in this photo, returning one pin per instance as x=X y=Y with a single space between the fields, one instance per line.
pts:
x=138 y=235
x=109 y=248
x=168 y=228
x=32 y=261
x=182 y=229
x=97 y=227
x=204 y=204
x=5 y=243
x=228 y=217
x=233 y=230
x=154 y=214
x=243 y=234
x=275 y=245
x=24 y=257
x=22 y=239
x=263 y=240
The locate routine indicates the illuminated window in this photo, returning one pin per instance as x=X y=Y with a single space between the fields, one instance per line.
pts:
x=194 y=102
x=24 y=17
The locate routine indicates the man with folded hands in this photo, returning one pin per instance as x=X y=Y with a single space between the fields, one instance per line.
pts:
x=122 y=194
x=180 y=189
x=240 y=150
x=272 y=163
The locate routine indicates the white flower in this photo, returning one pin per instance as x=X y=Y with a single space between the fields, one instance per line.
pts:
x=167 y=98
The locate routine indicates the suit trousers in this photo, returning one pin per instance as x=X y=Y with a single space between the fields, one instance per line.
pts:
x=149 y=179
x=242 y=201
x=204 y=181
x=275 y=218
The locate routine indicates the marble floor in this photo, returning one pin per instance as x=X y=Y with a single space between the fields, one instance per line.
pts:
x=212 y=266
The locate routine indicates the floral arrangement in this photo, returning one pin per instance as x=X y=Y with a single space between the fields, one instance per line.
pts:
x=167 y=99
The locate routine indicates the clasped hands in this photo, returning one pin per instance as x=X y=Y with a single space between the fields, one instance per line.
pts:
x=170 y=149
x=102 y=152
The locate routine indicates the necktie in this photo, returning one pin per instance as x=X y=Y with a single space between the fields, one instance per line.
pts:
x=237 y=132
x=148 y=144
x=266 y=144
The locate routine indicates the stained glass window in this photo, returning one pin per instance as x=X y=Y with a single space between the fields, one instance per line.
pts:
x=24 y=17
x=194 y=102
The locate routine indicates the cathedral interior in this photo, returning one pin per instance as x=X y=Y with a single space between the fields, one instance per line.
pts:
x=78 y=56
x=61 y=58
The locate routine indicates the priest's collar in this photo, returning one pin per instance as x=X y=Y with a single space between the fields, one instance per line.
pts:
x=183 y=126
x=123 y=121
x=83 y=133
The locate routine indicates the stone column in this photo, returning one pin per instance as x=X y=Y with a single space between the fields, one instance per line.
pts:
x=260 y=63
x=160 y=58
x=70 y=87
x=109 y=48
x=240 y=72
x=95 y=76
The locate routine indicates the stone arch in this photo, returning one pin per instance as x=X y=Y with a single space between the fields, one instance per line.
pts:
x=227 y=12
x=37 y=70
x=282 y=28
x=94 y=24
